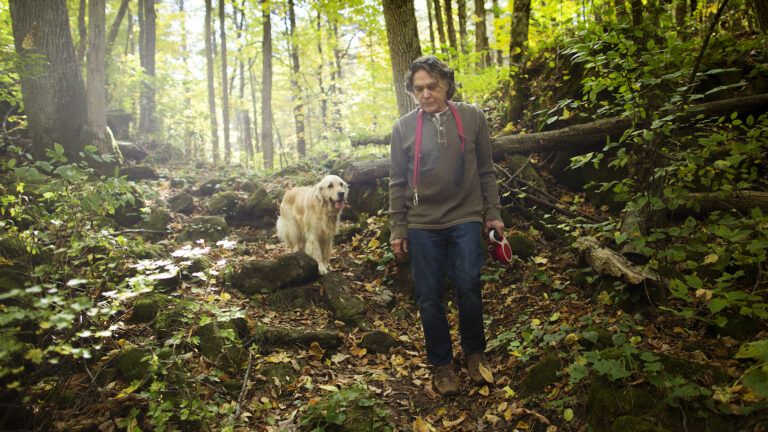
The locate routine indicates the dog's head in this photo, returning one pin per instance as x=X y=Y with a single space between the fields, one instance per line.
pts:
x=333 y=191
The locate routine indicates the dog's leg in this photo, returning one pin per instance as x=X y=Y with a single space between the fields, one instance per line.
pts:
x=313 y=249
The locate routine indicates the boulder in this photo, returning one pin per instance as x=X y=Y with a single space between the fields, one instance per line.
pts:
x=209 y=187
x=208 y=228
x=540 y=376
x=522 y=246
x=182 y=203
x=379 y=342
x=344 y=306
x=266 y=276
x=221 y=342
x=279 y=373
x=133 y=363
x=223 y=203
x=139 y=172
x=146 y=307
x=258 y=210
x=156 y=224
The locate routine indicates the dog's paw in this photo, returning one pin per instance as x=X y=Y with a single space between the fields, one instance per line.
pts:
x=323 y=269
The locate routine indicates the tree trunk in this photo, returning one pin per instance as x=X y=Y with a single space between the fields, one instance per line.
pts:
x=255 y=106
x=211 y=87
x=243 y=115
x=129 y=34
x=607 y=262
x=431 y=26
x=298 y=107
x=337 y=76
x=266 y=88
x=449 y=25
x=191 y=140
x=481 y=35
x=521 y=14
x=462 y=11
x=497 y=31
x=621 y=10
x=320 y=72
x=440 y=27
x=224 y=79
x=147 y=120
x=54 y=100
x=82 y=31
x=761 y=12
x=637 y=13
x=95 y=90
x=404 y=47
x=115 y=27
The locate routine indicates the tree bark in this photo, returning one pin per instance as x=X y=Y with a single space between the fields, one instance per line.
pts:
x=497 y=31
x=115 y=27
x=224 y=80
x=95 y=90
x=440 y=27
x=761 y=12
x=211 y=81
x=481 y=35
x=320 y=73
x=255 y=105
x=243 y=115
x=337 y=76
x=521 y=14
x=449 y=25
x=54 y=99
x=147 y=41
x=82 y=31
x=404 y=47
x=266 y=88
x=431 y=26
x=298 y=107
x=607 y=262
x=461 y=5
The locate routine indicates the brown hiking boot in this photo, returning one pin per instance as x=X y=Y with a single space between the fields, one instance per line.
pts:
x=479 y=369
x=444 y=380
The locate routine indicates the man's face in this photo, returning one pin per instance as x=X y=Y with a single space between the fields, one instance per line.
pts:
x=429 y=92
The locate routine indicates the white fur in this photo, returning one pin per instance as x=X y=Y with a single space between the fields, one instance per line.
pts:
x=309 y=216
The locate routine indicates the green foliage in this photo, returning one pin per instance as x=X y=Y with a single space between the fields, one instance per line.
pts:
x=353 y=406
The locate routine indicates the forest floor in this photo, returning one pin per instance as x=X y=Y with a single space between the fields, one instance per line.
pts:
x=537 y=312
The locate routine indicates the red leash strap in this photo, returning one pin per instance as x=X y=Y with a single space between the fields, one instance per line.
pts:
x=417 y=145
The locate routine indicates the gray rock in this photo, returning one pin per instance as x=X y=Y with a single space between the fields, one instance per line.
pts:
x=209 y=228
x=182 y=203
x=344 y=306
x=379 y=341
x=139 y=172
x=266 y=276
x=290 y=337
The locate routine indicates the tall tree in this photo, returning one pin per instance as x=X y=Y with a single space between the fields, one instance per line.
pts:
x=255 y=105
x=266 y=87
x=243 y=115
x=449 y=25
x=481 y=35
x=54 y=97
x=337 y=77
x=298 y=104
x=147 y=43
x=321 y=72
x=129 y=34
x=224 y=81
x=211 y=83
x=431 y=26
x=521 y=14
x=95 y=89
x=115 y=27
x=497 y=30
x=82 y=30
x=404 y=46
x=440 y=27
x=761 y=11
x=461 y=5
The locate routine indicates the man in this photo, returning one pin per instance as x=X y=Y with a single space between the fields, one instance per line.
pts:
x=436 y=205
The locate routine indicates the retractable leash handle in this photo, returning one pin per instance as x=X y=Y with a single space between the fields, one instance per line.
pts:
x=499 y=247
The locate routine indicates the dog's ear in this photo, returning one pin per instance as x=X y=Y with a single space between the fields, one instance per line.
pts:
x=318 y=192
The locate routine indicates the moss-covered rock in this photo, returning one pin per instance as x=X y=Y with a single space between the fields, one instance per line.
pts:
x=133 y=363
x=139 y=172
x=344 y=306
x=146 y=307
x=540 y=376
x=223 y=203
x=302 y=297
x=209 y=187
x=208 y=228
x=595 y=338
x=156 y=223
x=605 y=403
x=182 y=203
x=258 y=210
x=522 y=246
x=222 y=343
x=176 y=315
x=266 y=276
x=379 y=341
x=290 y=337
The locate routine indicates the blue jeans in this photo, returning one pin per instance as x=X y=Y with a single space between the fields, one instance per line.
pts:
x=458 y=253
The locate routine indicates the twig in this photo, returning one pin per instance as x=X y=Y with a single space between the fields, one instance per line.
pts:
x=696 y=65
x=240 y=397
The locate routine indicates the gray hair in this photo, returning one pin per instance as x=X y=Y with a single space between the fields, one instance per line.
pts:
x=433 y=66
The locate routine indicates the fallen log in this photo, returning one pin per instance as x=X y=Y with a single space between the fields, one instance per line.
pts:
x=741 y=201
x=358 y=141
x=583 y=137
x=607 y=262
x=593 y=135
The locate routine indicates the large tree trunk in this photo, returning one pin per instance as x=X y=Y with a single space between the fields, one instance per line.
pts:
x=321 y=72
x=243 y=115
x=95 y=89
x=54 y=99
x=431 y=26
x=224 y=80
x=481 y=35
x=298 y=107
x=147 y=40
x=255 y=106
x=404 y=47
x=266 y=89
x=337 y=77
x=211 y=82
x=497 y=31
x=115 y=27
x=440 y=26
x=462 y=11
x=761 y=11
x=449 y=25
x=521 y=14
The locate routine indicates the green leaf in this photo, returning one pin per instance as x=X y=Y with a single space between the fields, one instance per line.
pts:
x=757 y=350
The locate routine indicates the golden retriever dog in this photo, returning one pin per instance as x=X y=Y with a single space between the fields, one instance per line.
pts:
x=309 y=216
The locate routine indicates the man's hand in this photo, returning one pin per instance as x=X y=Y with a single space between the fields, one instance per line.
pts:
x=494 y=225
x=400 y=248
